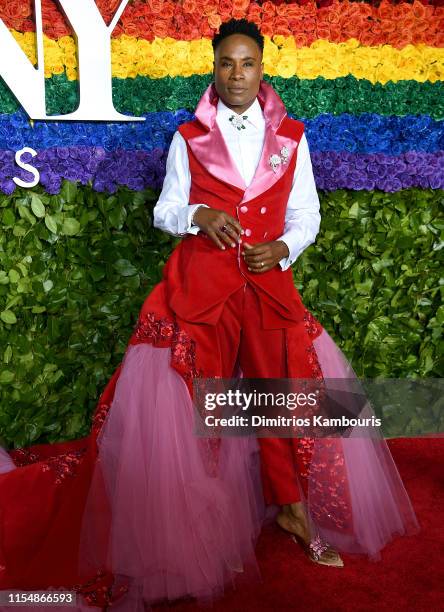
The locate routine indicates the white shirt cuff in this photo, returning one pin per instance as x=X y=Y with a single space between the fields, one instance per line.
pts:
x=192 y=229
x=286 y=261
x=294 y=249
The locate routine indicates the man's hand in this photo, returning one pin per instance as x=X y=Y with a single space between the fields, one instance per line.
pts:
x=267 y=253
x=211 y=221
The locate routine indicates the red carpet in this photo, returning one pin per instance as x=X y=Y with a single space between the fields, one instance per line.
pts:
x=409 y=577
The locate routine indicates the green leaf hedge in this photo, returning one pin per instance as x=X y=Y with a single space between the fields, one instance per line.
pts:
x=76 y=267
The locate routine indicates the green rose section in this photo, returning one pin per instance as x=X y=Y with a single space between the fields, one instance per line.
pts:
x=75 y=269
x=302 y=97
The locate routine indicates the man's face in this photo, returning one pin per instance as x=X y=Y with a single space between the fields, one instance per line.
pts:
x=238 y=71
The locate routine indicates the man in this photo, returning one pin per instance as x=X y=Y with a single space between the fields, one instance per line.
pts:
x=143 y=510
x=270 y=176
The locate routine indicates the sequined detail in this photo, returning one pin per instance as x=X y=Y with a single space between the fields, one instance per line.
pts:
x=314 y=362
x=164 y=332
x=304 y=452
x=321 y=463
x=318 y=546
x=100 y=590
x=24 y=456
x=312 y=325
x=64 y=466
x=99 y=418
x=328 y=474
x=316 y=370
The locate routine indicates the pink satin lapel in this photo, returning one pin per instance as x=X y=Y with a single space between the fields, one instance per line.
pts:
x=210 y=148
x=274 y=112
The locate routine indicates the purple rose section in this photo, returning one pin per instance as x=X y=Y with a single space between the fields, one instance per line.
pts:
x=366 y=172
x=106 y=171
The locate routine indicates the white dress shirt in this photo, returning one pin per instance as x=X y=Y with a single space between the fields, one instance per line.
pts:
x=173 y=214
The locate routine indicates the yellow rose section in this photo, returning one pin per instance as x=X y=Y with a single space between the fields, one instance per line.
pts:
x=170 y=57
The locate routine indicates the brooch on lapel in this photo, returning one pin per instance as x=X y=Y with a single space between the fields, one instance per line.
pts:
x=237 y=121
x=276 y=160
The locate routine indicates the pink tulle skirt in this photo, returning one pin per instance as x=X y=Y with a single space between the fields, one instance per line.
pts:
x=175 y=529
x=168 y=523
x=378 y=504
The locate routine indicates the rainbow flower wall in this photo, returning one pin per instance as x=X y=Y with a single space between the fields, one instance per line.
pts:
x=78 y=253
x=367 y=82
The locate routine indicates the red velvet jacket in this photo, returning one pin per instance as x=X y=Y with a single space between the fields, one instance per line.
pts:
x=200 y=275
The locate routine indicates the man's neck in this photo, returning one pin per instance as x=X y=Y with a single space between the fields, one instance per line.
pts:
x=236 y=110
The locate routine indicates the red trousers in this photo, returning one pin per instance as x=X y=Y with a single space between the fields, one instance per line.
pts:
x=260 y=353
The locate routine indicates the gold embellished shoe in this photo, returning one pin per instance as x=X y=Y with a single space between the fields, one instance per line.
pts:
x=319 y=551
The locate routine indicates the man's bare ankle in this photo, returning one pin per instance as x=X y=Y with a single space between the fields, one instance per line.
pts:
x=297 y=511
x=294 y=525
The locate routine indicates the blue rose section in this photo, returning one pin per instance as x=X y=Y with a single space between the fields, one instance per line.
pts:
x=106 y=170
x=365 y=133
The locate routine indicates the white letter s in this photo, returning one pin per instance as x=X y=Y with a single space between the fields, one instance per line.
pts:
x=27 y=167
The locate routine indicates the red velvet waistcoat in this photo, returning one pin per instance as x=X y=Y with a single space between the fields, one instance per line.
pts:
x=200 y=275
